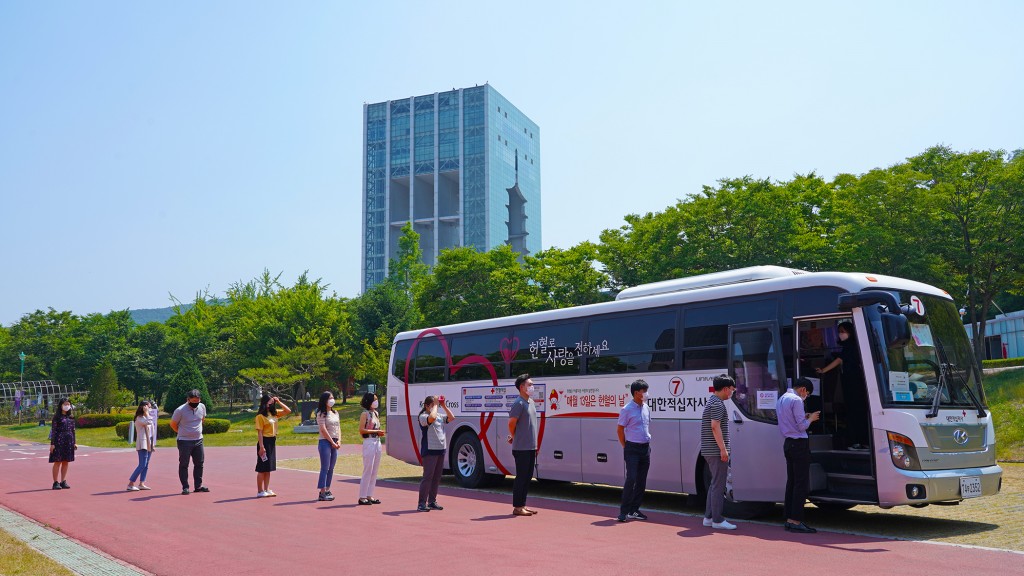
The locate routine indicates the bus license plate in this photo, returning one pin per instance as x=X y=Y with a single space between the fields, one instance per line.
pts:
x=970 y=487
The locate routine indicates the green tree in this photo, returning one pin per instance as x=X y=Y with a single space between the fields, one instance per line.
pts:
x=104 y=390
x=186 y=379
x=568 y=277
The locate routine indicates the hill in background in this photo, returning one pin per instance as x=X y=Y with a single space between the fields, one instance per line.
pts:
x=147 y=315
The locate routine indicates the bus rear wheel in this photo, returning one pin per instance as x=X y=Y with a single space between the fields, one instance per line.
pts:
x=467 y=462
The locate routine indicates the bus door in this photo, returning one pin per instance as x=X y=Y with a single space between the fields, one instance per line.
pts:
x=756 y=363
x=838 y=473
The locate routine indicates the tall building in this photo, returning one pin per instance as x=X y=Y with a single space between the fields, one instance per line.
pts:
x=463 y=166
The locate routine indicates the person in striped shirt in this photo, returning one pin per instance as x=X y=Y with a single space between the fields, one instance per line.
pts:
x=714 y=447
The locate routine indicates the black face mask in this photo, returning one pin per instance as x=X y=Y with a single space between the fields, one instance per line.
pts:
x=194 y=405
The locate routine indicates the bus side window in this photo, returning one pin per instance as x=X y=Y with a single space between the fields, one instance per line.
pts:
x=755 y=368
x=632 y=343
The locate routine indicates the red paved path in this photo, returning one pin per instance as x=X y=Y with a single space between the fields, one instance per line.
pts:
x=229 y=531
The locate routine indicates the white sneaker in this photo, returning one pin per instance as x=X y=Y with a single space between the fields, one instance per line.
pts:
x=261 y=494
x=144 y=487
x=132 y=488
x=270 y=493
x=723 y=525
x=707 y=522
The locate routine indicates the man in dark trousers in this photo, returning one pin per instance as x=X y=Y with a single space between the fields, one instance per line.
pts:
x=635 y=437
x=187 y=423
x=522 y=435
x=793 y=424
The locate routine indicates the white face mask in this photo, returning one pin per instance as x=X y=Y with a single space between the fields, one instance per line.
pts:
x=843 y=336
x=330 y=402
x=375 y=404
x=65 y=407
x=529 y=389
x=646 y=395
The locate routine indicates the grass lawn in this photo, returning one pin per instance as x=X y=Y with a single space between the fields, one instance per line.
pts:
x=1005 y=392
x=242 y=432
x=17 y=558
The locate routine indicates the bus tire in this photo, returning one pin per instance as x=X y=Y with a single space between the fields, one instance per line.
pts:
x=467 y=462
x=737 y=510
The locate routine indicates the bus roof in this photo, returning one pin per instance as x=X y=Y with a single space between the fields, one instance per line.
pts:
x=703 y=288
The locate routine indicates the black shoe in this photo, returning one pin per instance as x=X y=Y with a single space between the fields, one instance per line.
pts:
x=801 y=527
x=56 y=485
x=435 y=506
x=621 y=518
x=64 y=485
x=364 y=502
x=375 y=501
x=423 y=508
x=202 y=489
x=184 y=491
x=638 y=515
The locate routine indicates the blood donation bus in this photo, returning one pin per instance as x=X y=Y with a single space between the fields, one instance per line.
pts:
x=929 y=432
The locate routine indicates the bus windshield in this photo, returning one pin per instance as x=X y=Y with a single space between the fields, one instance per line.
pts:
x=936 y=360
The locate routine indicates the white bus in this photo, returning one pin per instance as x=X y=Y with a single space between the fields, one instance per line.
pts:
x=930 y=432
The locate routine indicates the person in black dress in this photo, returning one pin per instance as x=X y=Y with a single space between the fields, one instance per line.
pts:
x=62 y=443
x=855 y=394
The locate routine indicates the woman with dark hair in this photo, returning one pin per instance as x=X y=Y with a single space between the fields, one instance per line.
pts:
x=369 y=428
x=266 y=441
x=143 y=445
x=432 y=448
x=62 y=443
x=855 y=394
x=330 y=440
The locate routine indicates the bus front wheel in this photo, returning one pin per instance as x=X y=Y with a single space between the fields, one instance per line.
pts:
x=467 y=462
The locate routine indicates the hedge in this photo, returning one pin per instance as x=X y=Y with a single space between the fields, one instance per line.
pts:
x=163 y=428
x=102 y=420
x=1002 y=363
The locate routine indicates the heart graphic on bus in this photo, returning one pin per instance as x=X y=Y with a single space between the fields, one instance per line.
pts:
x=485 y=417
x=509 y=348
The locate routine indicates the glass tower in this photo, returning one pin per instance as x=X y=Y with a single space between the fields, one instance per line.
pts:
x=463 y=166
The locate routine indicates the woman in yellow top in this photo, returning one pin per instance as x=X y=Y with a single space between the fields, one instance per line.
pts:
x=266 y=435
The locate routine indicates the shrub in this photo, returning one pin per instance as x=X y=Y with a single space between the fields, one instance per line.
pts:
x=1002 y=363
x=186 y=379
x=101 y=420
x=163 y=428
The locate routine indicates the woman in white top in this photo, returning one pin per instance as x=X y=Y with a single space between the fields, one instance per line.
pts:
x=144 y=447
x=330 y=441
x=369 y=428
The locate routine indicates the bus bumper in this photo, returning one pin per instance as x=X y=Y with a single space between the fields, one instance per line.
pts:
x=901 y=487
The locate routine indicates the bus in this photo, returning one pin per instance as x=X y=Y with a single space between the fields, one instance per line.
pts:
x=930 y=433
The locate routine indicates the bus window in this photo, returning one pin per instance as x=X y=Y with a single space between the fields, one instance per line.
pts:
x=429 y=364
x=632 y=343
x=486 y=344
x=401 y=353
x=553 y=350
x=755 y=367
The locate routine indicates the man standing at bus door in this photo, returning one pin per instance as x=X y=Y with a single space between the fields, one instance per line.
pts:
x=635 y=437
x=714 y=447
x=522 y=435
x=793 y=424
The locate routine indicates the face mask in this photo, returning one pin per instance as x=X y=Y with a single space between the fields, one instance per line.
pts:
x=645 y=396
x=65 y=407
x=194 y=404
x=843 y=336
x=529 y=389
x=330 y=402
x=375 y=404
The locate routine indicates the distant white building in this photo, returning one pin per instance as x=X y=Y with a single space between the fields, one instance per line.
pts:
x=1004 y=336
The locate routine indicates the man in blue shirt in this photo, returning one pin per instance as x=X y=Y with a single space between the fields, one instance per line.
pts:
x=793 y=424
x=635 y=437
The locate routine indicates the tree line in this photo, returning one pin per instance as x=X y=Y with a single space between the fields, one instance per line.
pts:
x=948 y=218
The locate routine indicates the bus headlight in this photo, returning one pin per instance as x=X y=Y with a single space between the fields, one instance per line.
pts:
x=902 y=451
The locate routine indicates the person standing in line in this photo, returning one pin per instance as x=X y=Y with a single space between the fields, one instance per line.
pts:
x=715 y=447
x=522 y=435
x=266 y=442
x=432 y=448
x=62 y=443
x=369 y=428
x=330 y=441
x=793 y=424
x=187 y=423
x=143 y=446
x=635 y=437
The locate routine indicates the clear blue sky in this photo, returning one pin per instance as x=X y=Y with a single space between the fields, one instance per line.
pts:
x=153 y=148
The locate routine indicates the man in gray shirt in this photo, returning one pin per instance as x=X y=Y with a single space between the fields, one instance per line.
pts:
x=187 y=422
x=522 y=435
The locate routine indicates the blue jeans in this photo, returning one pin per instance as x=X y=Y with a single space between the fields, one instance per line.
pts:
x=143 y=466
x=328 y=458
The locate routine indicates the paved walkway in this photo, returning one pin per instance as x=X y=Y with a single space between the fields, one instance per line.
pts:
x=229 y=531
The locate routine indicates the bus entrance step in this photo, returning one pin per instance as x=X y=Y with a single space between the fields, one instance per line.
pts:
x=850 y=478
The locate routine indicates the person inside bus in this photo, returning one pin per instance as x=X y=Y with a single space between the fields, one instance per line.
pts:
x=635 y=437
x=851 y=379
x=793 y=424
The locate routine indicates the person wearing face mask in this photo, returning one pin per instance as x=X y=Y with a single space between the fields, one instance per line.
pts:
x=143 y=446
x=522 y=435
x=62 y=443
x=714 y=447
x=266 y=442
x=330 y=440
x=433 y=444
x=369 y=428
x=855 y=394
x=187 y=423
x=635 y=437
x=793 y=424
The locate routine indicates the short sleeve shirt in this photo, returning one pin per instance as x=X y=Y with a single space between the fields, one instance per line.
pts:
x=140 y=433
x=433 y=440
x=190 y=421
x=268 y=424
x=332 y=422
x=636 y=421
x=713 y=410
x=525 y=437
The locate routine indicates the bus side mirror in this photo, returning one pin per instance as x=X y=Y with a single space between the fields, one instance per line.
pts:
x=896 y=329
